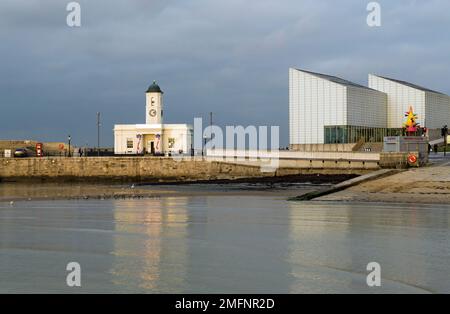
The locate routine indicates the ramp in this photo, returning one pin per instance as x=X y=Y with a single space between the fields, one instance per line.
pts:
x=439 y=141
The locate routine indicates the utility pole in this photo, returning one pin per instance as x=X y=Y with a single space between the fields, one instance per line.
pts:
x=210 y=125
x=210 y=130
x=98 y=133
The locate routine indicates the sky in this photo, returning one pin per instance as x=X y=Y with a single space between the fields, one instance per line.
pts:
x=227 y=57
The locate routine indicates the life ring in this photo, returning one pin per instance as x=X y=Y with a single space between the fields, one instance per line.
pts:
x=412 y=159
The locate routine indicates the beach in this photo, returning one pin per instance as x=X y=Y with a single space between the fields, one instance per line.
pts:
x=286 y=186
x=427 y=185
x=227 y=243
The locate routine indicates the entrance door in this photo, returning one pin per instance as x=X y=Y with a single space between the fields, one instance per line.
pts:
x=152 y=147
x=150 y=143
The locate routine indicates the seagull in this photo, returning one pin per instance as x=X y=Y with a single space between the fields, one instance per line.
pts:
x=11 y=203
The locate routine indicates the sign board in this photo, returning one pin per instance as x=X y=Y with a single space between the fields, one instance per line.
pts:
x=7 y=153
x=405 y=144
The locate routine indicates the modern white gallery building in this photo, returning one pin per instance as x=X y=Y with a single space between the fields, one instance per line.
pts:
x=432 y=107
x=325 y=109
x=154 y=137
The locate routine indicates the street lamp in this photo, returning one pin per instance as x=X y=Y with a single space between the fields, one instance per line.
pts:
x=98 y=133
x=205 y=138
x=69 y=138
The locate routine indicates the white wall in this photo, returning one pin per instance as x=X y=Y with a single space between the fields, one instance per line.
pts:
x=366 y=107
x=313 y=103
x=156 y=105
x=231 y=153
x=120 y=141
x=182 y=133
x=399 y=98
x=437 y=110
x=183 y=138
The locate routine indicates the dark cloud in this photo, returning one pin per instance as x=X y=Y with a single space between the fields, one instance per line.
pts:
x=229 y=57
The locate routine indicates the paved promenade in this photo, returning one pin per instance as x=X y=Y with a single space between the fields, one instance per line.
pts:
x=423 y=185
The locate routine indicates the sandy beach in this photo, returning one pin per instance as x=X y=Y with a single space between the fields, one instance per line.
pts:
x=428 y=185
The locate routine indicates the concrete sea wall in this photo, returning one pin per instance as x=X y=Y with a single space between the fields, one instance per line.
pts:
x=400 y=160
x=323 y=147
x=151 y=169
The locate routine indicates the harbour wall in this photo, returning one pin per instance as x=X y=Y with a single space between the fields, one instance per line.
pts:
x=153 y=169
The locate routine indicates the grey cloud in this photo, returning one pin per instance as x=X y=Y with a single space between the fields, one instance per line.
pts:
x=229 y=57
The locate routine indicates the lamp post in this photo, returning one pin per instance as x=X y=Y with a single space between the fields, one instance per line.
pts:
x=210 y=121
x=205 y=138
x=98 y=133
x=69 y=138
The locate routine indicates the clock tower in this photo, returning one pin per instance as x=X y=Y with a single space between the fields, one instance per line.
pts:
x=154 y=104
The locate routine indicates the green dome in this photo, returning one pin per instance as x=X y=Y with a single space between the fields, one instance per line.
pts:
x=154 y=88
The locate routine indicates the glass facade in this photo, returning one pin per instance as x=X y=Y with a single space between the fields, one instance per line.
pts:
x=343 y=134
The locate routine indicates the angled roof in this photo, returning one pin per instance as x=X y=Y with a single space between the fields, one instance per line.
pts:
x=411 y=85
x=336 y=79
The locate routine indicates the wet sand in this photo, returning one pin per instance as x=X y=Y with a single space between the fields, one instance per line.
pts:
x=223 y=244
x=281 y=186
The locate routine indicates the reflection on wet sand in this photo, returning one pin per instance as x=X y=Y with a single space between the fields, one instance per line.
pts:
x=223 y=244
x=19 y=191
x=59 y=191
x=331 y=247
x=142 y=243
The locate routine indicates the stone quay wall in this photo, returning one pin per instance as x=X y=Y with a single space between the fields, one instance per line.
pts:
x=152 y=169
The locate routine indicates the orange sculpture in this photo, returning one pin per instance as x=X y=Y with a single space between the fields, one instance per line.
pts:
x=411 y=125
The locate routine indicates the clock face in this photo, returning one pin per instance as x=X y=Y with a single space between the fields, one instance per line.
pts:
x=152 y=113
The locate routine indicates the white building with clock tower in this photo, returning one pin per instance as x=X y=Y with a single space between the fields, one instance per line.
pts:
x=154 y=137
